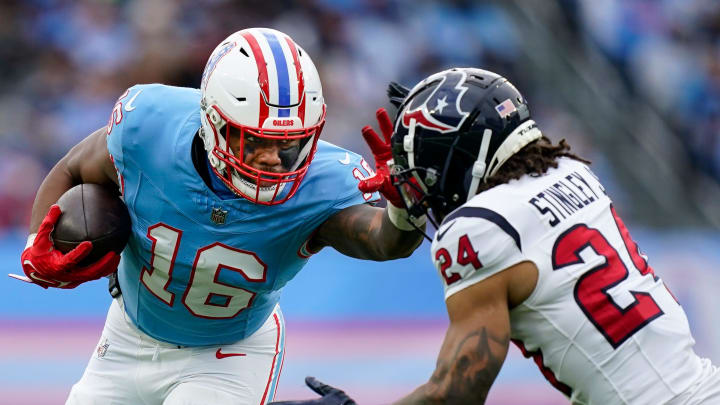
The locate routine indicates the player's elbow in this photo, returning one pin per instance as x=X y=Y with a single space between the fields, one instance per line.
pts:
x=385 y=246
x=430 y=393
x=393 y=252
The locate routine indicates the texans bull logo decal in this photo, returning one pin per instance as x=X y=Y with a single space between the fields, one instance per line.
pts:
x=432 y=113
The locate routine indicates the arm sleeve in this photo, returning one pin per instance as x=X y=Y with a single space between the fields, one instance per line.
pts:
x=131 y=130
x=349 y=175
x=116 y=129
x=471 y=250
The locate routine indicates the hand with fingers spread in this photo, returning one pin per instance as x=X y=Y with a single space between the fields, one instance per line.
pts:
x=48 y=267
x=329 y=395
x=382 y=153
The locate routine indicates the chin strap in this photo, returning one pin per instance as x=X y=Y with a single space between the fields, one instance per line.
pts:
x=478 y=169
x=521 y=136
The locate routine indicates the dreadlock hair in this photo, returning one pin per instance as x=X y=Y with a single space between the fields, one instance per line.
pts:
x=533 y=159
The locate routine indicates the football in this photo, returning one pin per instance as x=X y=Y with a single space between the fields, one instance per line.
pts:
x=91 y=212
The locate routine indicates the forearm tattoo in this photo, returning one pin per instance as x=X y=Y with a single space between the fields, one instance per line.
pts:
x=465 y=376
x=355 y=227
x=364 y=232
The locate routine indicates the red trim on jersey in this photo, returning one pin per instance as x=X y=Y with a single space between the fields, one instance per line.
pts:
x=116 y=115
x=300 y=79
x=152 y=261
x=304 y=250
x=634 y=251
x=262 y=76
x=549 y=375
x=282 y=362
x=272 y=367
x=617 y=324
x=452 y=276
x=466 y=253
x=120 y=176
x=216 y=280
x=632 y=247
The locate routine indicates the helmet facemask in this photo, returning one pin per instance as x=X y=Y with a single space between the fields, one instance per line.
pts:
x=295 y=149
x=261 y=92
x=417 y=198
x=431 y=190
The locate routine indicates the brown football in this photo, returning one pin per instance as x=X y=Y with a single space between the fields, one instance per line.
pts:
x=94 y=213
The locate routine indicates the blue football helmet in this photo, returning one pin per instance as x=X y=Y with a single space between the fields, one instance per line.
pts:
x=453 y=130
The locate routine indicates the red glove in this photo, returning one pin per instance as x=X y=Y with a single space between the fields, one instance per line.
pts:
x=382 y=153
x=47 y=267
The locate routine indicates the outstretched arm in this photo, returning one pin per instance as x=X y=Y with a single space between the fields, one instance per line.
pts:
x=368 y=232
x=365 y=232
x=475 y=345
x=474 y=349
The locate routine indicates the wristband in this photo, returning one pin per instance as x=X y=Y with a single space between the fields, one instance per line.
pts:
x=402 y=220
x=30 y=240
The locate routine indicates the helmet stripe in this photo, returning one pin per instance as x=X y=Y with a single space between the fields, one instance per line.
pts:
x=300 y=79
x=283 y=76
x=262 y=75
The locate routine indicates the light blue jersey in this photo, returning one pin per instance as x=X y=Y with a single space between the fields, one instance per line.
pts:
x=200 y=270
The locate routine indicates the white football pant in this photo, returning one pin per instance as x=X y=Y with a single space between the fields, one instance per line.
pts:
x=130 y=367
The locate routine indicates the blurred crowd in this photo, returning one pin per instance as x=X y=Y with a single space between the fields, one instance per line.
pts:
x=64 y=63
x=669 y=53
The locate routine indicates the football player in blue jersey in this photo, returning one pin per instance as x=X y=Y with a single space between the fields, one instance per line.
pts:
x=230 y=191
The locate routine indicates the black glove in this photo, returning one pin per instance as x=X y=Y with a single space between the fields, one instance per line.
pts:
x=330 y=395
x=396 y=93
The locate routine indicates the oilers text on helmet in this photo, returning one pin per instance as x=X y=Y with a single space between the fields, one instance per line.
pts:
x=261 y=88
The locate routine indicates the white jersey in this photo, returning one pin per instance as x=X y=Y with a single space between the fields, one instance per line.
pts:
x=603 y=328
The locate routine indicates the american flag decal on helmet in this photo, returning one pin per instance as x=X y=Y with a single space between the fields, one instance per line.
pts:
x=505 y=108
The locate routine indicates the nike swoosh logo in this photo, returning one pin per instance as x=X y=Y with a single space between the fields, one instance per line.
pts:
x=441 y=234
x=129 y=106
x=345 y=161
x=221 y=355
x=55 y=283
x=34 y=277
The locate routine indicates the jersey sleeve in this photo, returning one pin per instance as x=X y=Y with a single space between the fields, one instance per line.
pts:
x=336 y=173
x=353 y=168
x=114 y=134
x=468 y=250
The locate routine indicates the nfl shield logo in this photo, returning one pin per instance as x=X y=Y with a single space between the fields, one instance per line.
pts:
x=218 y=216
x=102 y=348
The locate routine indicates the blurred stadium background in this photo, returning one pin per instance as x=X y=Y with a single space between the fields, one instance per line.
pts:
x=634 y=85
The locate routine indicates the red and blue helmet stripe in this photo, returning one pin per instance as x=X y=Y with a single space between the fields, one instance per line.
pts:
x=283 y=78
x=281 y=86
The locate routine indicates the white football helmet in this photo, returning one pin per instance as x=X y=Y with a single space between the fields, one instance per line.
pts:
x=261 y=84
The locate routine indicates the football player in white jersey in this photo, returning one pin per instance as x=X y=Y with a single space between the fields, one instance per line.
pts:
x=531 y=250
